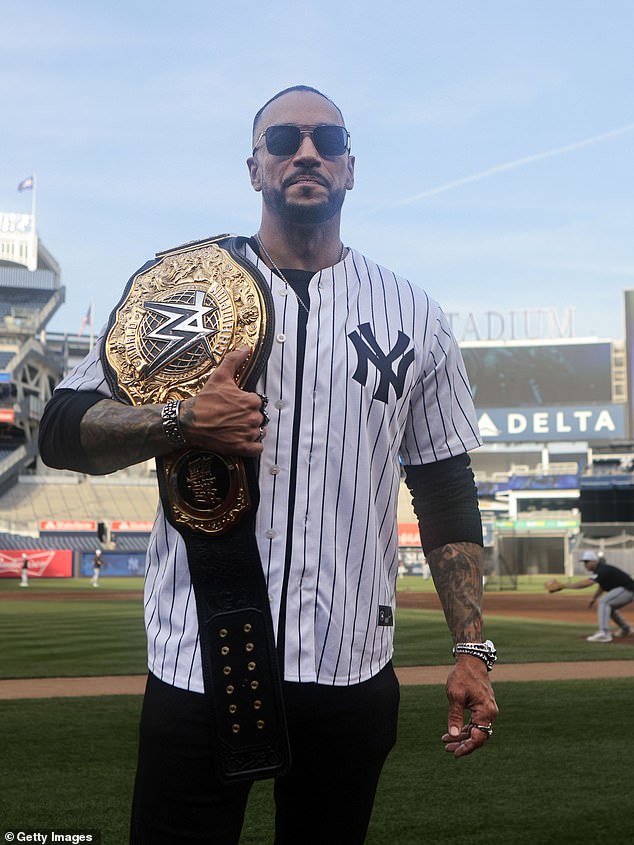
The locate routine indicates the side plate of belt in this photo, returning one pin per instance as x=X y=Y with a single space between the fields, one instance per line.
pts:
x=178 y=317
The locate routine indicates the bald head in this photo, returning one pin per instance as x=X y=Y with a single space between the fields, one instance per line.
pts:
x=258 y=119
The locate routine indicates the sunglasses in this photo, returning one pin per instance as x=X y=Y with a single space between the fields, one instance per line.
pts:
x=285 y=139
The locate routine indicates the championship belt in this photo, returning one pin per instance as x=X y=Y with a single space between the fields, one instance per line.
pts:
x=178 y=317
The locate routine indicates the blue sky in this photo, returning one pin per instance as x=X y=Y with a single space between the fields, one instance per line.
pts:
x=494 y=141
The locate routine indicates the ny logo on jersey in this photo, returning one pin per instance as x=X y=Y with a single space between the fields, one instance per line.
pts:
x=369 y=350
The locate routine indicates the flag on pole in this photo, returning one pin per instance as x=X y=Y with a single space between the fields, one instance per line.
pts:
x=26 y=184
x=87 y=321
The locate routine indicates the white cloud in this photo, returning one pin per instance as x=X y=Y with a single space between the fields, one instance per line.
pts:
x=517 y=163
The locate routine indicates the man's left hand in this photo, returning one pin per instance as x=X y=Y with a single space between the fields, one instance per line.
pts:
x=468 y=688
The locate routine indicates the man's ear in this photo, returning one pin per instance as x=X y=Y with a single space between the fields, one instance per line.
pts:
x=350 y=179
x=254 y=173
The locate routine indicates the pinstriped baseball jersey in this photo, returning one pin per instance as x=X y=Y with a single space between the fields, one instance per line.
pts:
x=382 y=382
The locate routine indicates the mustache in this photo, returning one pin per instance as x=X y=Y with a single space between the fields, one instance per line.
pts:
x=301 y=175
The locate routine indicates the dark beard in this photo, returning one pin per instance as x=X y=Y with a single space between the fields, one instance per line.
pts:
x=300 y=213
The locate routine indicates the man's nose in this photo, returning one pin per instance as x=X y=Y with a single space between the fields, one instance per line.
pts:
x=307 y=151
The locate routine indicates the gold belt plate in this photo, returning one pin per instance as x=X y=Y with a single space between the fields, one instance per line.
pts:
x=179 y=319
x=173 y=327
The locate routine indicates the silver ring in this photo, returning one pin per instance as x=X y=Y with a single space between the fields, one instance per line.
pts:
x=260 y=435
x=487 y=729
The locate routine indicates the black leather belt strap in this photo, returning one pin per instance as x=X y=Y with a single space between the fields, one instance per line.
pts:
x=211 y=499
x=239 y=658
x=240 y=667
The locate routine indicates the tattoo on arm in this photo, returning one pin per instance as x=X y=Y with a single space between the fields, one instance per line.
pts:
x=457 y=572
x=114 y=435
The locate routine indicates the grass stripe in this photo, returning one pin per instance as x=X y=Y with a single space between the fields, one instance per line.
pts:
x=549 y=775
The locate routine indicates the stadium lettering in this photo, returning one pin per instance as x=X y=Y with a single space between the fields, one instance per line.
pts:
x=605 y=421
x=15 y=223
x=523 y=324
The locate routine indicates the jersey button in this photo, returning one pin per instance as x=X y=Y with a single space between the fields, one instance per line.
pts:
x=275 y=469
x=281 y=337
x=279 y=404
x=270 y=534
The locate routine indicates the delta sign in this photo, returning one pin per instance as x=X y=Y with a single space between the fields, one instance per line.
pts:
x=572 y=422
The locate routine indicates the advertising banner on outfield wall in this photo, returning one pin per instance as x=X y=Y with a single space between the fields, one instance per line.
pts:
x=43 y=563
x=114 y=563
x=408 y=534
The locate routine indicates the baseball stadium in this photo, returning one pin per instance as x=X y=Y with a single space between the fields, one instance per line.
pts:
x=555 y=477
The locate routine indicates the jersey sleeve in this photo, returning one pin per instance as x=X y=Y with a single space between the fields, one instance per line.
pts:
x=442 y=420
x=88 y=374
x=59 y=434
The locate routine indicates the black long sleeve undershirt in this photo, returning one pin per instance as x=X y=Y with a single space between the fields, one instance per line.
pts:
x=445 y=500
x=59 y=441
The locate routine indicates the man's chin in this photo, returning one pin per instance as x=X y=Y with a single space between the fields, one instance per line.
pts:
x=313 y=211
x=306 y=210
x=309 y=213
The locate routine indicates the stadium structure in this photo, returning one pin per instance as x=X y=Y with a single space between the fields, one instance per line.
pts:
x=57 y=519
x=555 y=473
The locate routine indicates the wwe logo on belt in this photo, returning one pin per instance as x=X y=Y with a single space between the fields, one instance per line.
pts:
x=369 y=350
x=182 y=328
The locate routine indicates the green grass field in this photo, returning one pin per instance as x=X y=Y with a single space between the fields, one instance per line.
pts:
x=100 y=632
x=84 y=636
x=552 y=773
x=556 y=770
x=411 y=583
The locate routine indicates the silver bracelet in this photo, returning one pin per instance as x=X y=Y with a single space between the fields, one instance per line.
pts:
x=171 y=422
x=484 y=651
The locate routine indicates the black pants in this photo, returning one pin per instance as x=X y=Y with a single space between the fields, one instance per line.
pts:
x=340 y=738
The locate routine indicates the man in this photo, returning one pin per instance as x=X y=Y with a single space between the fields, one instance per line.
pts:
x=363 y=377
x=615 y=589
x=96 y=568
x=24 y=576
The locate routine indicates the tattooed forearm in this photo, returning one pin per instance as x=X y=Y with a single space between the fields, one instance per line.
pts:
x=457 y=572
x=114 y=435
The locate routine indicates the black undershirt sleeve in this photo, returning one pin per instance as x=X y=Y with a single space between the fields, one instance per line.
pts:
x=445 y=500
x=59 y=442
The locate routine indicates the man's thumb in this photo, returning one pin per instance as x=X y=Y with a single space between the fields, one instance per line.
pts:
x=233 y=362
x=455 y=721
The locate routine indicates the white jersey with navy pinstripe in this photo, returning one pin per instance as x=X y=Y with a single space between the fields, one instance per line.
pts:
x=383 y=383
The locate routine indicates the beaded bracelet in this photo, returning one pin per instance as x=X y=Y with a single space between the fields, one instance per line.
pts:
x=171 y=422
x=484 y=651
